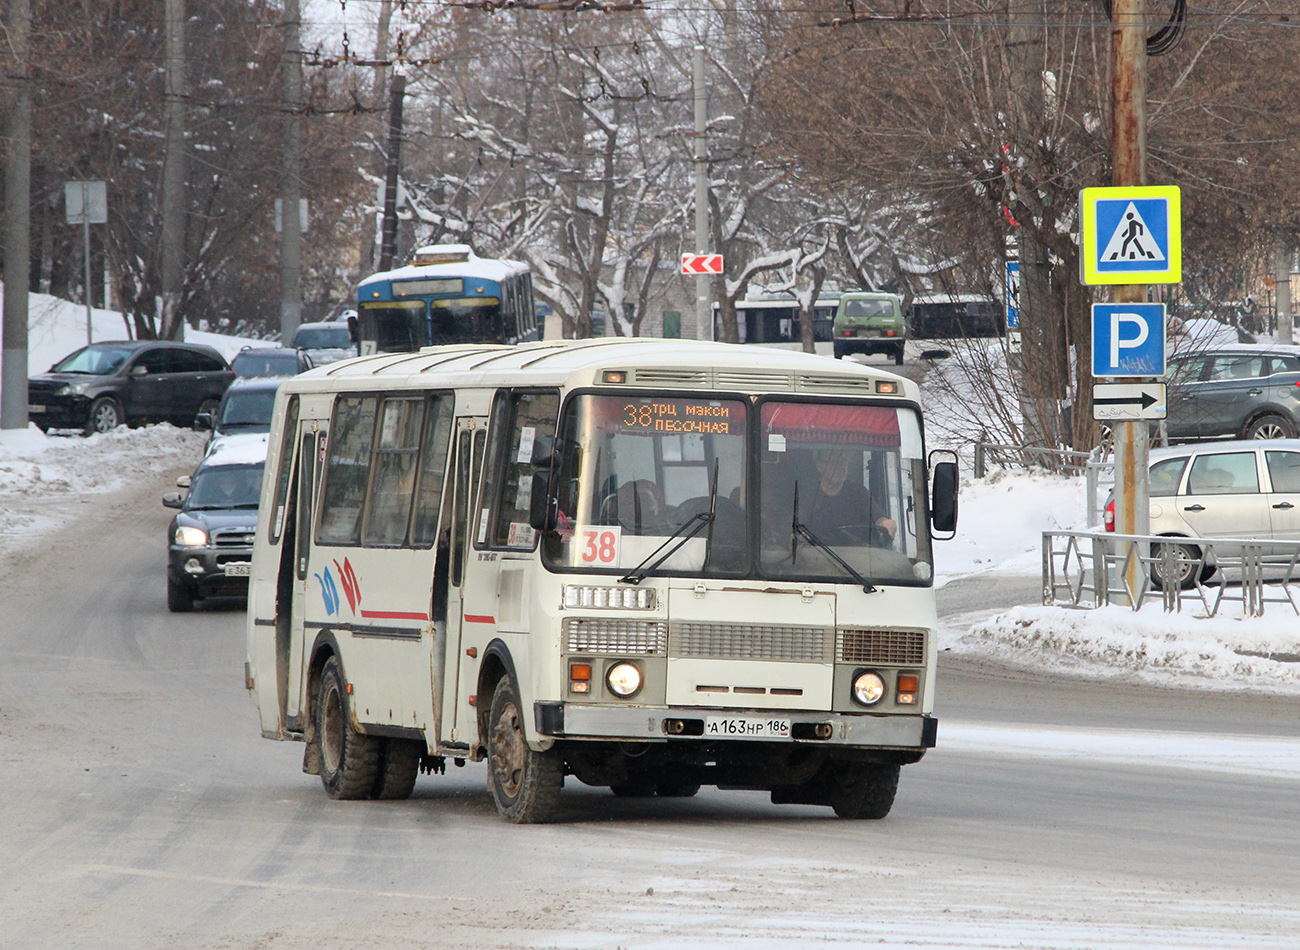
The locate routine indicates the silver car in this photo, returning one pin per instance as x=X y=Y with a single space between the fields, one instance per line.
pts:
x=1243 y=489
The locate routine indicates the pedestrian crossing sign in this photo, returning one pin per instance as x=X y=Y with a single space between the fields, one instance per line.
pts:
x=1130 y=235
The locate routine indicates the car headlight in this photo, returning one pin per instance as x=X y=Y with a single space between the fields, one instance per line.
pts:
x=868 y=688
x=623 y=679
x=75 y=389
x=191 y=537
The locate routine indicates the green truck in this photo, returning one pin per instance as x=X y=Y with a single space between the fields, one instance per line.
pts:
x=870 y=323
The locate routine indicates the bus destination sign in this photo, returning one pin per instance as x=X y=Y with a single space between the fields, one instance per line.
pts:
x=679 y=415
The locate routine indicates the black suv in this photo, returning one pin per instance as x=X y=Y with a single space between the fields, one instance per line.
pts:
x=103 y=385
x=210 y=541
x=1247 y=391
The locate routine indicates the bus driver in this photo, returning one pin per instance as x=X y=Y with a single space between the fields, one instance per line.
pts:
x=837 y=502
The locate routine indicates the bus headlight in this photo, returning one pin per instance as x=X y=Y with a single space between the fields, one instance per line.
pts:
x=868 y=688
x=624 y=680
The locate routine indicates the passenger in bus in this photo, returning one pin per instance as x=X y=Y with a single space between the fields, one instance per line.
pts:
x=636 y=505
x=838 y=504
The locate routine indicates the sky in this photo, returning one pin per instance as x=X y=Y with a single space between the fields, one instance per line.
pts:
x=44 y=479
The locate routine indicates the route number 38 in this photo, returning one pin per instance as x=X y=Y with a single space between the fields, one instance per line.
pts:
x=599 y=546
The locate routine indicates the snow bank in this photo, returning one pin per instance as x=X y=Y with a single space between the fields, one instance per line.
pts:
x=1187 y=649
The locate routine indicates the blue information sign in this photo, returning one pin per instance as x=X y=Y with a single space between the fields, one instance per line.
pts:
x=1128 y=339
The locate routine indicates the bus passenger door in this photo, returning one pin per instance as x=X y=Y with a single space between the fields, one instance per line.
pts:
x=470 y=436
x=311 y=444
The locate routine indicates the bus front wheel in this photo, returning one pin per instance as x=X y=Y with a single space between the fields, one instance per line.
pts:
x=862 y=789
x=524 y=784
x=349 y=760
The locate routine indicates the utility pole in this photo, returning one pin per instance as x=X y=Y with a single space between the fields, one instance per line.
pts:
x=704 y=329
x=1128 y=48
x=17 y=220
x=291 y=184
x=388 y=240
x=173 y=196
x=1282 y=274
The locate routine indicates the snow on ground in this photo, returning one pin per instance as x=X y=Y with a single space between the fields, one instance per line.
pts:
x=44 y=479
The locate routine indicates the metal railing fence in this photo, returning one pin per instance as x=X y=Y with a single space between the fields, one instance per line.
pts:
x=1096 y=568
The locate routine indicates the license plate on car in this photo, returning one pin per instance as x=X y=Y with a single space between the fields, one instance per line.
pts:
x=754 y=727
x=36 y=408
x=238 y=569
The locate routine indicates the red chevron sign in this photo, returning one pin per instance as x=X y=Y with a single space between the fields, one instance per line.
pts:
x=701 y=263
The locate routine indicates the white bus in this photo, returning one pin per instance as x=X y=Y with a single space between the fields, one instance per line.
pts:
x=643 y=564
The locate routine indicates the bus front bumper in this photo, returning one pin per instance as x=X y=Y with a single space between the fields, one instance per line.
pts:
x=662 y=723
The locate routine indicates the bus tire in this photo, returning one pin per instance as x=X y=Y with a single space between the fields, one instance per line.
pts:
x=862 y=789
x=349 y=760
x=399 y=766
x=676 y=790
x=525 y=785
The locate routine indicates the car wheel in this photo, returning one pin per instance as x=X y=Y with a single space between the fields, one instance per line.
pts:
x=105 y=415
x=1182 y=573
x=1271 y=427
x=838 y=349
x=898 y=355
x=180 y=599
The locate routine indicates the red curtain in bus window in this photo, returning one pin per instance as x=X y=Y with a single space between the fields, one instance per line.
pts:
x=820 y=422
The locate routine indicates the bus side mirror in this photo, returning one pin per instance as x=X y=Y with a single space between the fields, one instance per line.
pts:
x=543 y=452
x=541 y=506
x=943 y=497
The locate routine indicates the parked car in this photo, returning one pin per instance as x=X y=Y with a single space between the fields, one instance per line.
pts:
x=869 y=323
x=210 y=541
x=271 y=361
x=245 y=410
x=1247 y=391
x=325 y=342
x=1240 y=489
x=103 y=385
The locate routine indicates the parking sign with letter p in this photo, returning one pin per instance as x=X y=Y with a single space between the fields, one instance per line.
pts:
x=1128 y=339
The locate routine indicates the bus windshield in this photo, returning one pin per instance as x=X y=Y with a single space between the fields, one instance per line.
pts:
x=835 y=490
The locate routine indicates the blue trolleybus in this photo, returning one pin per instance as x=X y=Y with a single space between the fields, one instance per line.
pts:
x=447 y=294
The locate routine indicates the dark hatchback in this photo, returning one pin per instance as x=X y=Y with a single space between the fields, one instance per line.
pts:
x=270 y=361
x=1245 y=391
x=210 y=541
x=103 y=385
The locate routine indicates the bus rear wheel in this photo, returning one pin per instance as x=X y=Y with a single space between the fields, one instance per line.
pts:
x=524 y=784
x=349 y=760
x=398 y=769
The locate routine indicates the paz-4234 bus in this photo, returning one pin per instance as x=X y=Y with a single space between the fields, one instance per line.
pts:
x=641 y=564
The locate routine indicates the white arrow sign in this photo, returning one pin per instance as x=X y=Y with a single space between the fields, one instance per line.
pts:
x=1128 y=401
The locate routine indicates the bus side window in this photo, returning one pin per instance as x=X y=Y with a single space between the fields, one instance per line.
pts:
x=287 y=440
x=347 y=470
x=434 y=448
x=520 y=422
x=392 y=485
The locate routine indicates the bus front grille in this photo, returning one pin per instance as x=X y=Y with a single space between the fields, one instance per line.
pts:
x=614 y=636
x=901 y=647
x=744 y=641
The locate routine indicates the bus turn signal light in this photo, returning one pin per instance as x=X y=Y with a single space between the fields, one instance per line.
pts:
x=905 y=689
x=580 y=677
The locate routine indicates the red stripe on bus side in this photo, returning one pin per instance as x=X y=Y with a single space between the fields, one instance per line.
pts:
x=392 y=615
x=475 y=618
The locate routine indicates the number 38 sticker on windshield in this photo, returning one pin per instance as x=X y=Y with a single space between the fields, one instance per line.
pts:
x=598 y=546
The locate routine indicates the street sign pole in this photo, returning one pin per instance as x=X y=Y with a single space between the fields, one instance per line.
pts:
x=1128 y=146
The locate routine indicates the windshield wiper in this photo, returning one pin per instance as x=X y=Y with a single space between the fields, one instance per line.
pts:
x=800 y=530
x=639 y=573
